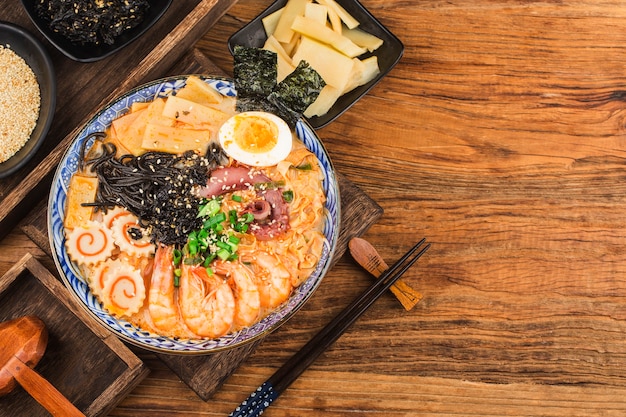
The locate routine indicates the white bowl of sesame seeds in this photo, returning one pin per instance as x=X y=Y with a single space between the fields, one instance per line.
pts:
x=27 y=99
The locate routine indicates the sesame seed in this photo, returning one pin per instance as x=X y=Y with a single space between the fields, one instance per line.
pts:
x=20 y=101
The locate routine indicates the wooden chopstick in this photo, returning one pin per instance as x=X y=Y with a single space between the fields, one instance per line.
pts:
x=276 y=384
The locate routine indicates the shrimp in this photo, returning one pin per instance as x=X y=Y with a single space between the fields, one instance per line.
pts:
x=161 y=305
x=207 y=303
x=245 y=290
x=272 y=278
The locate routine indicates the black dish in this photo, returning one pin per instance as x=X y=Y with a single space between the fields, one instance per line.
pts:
x=253 y=35
x=24 y=44
x=91 y=53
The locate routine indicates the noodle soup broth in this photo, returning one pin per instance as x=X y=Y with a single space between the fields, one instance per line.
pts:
x=307 y=159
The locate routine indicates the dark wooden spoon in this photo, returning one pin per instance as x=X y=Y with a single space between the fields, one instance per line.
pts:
x=22 y=344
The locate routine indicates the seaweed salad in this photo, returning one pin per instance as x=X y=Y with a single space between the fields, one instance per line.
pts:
x=92 y=22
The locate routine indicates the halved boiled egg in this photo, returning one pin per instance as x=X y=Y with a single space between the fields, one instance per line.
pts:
x=256 y=138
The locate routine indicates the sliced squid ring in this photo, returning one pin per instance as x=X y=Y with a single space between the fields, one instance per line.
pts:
x=90 y=244
x=124 y=291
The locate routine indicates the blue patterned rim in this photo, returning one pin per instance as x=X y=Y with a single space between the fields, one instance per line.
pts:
x=76 y=283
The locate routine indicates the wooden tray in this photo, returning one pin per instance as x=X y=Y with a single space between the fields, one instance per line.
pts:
x=83 y=88
x=205 y=374
x=83 y=360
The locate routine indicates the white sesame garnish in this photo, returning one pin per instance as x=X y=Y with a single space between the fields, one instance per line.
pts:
x=20 y=101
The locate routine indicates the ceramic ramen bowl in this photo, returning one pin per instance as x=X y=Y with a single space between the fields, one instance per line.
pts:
x=71 y=274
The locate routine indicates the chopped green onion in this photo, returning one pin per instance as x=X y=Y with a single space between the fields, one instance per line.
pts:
x=233 y=242
x=288 y=196
x=192 y=245
x=208 y=260
x=209 y=209
x=217 y=219
x=232 y=216
x=200 y=243
x=178 y=256
x=305 y=167
x=223 y=245
x=223 y=254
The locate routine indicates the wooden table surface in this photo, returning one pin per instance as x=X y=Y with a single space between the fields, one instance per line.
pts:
x=500 y=137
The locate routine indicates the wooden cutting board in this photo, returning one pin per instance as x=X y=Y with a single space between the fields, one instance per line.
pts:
x=205 y=374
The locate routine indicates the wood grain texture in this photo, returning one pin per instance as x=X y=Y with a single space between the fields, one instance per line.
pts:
x=78 y=346
x=500 y=137
x=205 y=374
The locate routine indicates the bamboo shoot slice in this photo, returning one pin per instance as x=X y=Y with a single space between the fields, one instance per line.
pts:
x=325 y=100
x=363 y=72
x=363 y=39
x=316 y=12
x=271 y=20
x=152 y=114
x=199 y=92
x=334 y=67
x=175 y=139
x=346 y=17
x=324 y=34
x=196 y=115
x=283 y=32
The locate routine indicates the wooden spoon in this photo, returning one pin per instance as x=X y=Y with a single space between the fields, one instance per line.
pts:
x=368 y=257
x=22 y=344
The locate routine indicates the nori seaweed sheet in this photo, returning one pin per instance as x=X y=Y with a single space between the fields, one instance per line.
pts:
x=96 y=22
x=256 y=71
x=299 y=89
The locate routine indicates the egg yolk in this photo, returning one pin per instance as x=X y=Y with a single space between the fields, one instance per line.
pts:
x=255 y=134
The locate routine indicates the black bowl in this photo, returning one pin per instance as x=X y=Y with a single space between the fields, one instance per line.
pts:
x=91 y=53
x=24 y=44
x=388 y=55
